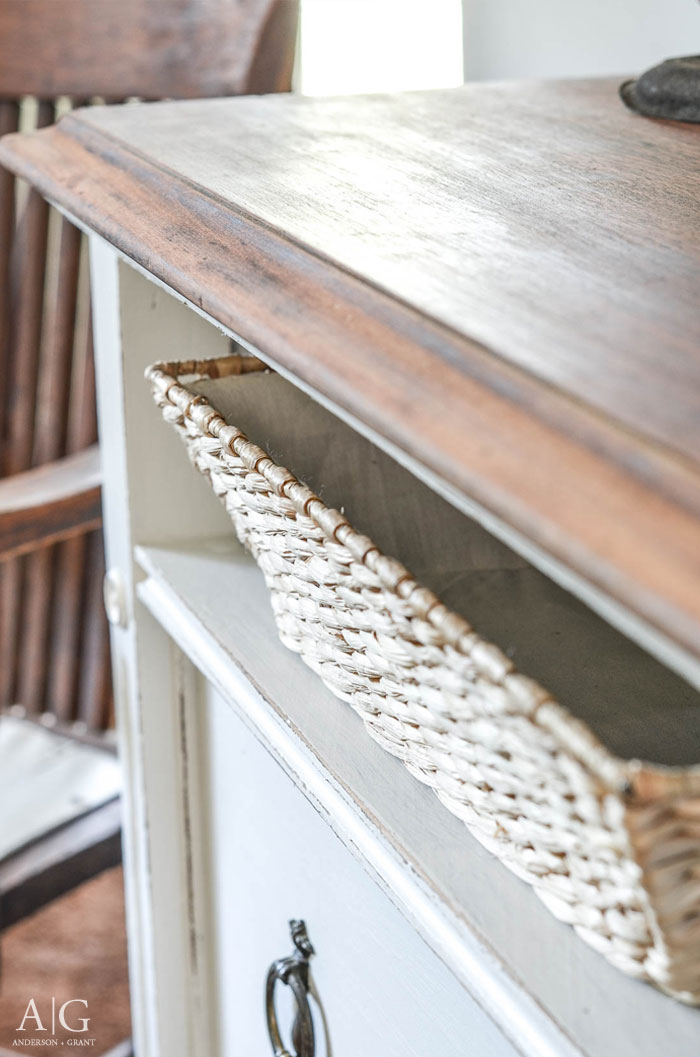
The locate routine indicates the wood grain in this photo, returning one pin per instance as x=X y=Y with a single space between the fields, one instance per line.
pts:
x=113 y=49
x=10 y=573
x=23 y=337
x=26 y=311
x=53 y=392
x=69 y=602
x=9 y=122
x=50 y=441
x=148 y=48
x=544 y=222
x=531 y=338
x=49 y=503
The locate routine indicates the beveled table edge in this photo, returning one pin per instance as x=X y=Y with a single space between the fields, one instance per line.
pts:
x=620 y=511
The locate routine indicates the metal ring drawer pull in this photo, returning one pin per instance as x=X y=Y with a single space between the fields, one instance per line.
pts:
x=293 y=971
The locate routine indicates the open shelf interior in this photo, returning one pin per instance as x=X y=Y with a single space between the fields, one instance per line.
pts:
x=223 y=613
x=636 y=706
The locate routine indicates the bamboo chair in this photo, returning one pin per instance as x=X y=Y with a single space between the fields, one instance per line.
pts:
x=54 y=660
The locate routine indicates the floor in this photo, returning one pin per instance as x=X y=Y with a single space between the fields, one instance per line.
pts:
x=74 y=948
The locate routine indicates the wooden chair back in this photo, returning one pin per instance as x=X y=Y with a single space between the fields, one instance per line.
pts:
x=55 y=54
x=152 y=49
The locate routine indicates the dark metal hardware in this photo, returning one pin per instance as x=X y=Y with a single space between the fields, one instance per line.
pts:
x=293 y=971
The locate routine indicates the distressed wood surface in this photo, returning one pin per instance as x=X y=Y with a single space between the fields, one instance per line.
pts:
x=502 y=281
x=544 y=222
x=149 y=48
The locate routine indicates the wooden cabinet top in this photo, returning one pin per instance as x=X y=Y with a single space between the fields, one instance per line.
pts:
x=500 y=281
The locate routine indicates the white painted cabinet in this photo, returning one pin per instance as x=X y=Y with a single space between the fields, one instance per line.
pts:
x=273 y=858
x=254 y=796
x=223 y=846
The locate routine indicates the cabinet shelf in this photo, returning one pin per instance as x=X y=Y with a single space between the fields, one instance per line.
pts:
x=533 y=975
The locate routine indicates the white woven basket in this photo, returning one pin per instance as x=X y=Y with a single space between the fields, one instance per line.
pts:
x=611 y=846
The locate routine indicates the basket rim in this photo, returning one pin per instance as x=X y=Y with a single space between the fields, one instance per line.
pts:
x=627 y=778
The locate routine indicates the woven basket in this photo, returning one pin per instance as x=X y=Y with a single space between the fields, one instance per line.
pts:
x=611 y=846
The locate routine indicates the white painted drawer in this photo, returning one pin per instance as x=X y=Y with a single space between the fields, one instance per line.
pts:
x=272 y=858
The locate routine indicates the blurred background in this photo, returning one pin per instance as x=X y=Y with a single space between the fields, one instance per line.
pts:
x=397 y=45
x=62 y=931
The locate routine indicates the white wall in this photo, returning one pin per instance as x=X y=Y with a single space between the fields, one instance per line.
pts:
x=574 y=38
x=379 y=45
